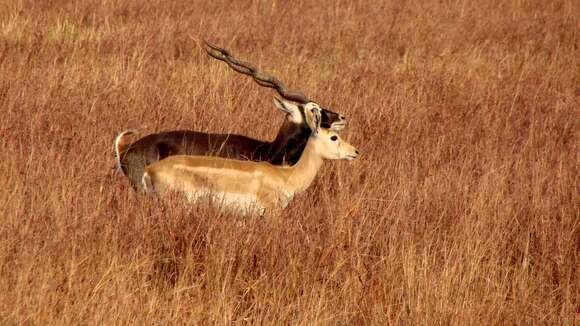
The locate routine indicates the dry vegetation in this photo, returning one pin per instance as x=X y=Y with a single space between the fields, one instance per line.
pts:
x=463 y=208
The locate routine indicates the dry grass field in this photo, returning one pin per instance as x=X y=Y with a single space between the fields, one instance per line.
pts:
x=463 y=208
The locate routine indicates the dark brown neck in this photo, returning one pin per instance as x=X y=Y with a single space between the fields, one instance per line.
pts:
x=288 y=145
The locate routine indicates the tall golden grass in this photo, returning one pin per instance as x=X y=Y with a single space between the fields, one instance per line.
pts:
x=464 y=207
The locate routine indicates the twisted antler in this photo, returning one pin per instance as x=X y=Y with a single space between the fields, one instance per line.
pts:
x=259 y=77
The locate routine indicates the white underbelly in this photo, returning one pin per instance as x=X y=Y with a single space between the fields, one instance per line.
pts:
x=232 y=202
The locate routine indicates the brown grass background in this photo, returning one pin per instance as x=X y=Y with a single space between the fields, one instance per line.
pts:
x=463 y=208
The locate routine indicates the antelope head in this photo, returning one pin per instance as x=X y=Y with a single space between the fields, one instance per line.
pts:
x=328 y=144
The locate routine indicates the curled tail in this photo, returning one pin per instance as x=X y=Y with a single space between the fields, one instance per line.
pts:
x=120 y=146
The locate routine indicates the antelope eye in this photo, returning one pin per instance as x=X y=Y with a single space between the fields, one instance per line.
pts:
x=333 y=138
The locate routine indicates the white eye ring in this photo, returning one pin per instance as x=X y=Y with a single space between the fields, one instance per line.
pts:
x=334 y=138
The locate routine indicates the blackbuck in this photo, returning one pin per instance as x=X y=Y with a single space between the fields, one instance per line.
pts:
x=245 y=186
x=285 y=149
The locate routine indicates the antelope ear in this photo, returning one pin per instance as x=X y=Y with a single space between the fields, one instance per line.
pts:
x=288 y=108
x=313 y=119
